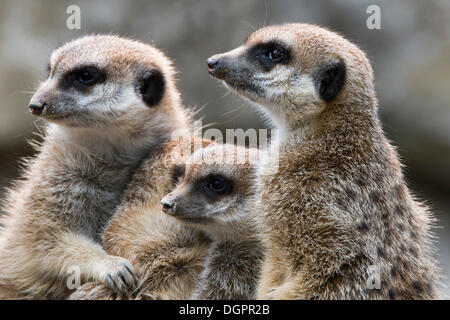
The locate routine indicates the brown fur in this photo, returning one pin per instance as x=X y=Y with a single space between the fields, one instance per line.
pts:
x=338 y=203
x=55 y=214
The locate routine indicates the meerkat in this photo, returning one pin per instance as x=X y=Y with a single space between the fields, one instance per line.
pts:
x=337 y=212
x=215 y=196
x=167 y=255
x=108 y=102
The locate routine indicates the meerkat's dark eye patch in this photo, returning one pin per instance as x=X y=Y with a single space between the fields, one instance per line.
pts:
x=83 y=78
x=178 y=173
x=329 y=80
x=214 y=186
x=151 y=85
x=270 y=54
x=48 y=69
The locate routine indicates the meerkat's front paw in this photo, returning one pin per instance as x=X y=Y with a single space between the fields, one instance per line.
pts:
x=117 y=273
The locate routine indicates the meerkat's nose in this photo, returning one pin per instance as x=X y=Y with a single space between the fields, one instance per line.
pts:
x=37 y=109
x=168 y=205
x=212 y=63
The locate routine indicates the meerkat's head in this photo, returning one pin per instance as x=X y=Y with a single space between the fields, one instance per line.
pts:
x=102 y=81
x=216 y=191
x=295 y=70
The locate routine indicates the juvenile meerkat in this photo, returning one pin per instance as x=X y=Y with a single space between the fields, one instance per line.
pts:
x=167 y=255
x=338 y=208
x=216 y=197
x=108 y=102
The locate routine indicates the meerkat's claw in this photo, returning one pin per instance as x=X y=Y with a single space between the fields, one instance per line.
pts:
x=149 y=296
x=118 y=275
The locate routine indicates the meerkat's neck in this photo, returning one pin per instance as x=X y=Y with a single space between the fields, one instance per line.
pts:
x=344 y=122
x=240 y=228
x=93 y=143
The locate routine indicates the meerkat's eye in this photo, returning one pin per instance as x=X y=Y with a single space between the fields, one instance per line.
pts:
x=83 y=78
x=271 y=54
x=214 y=186
x=218 y=185
x=88 y=75
x=275 y=54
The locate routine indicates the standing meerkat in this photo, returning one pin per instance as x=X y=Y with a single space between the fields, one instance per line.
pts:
x=108 y=102
x=338 y=208
x=216 y=197
x=167 y=255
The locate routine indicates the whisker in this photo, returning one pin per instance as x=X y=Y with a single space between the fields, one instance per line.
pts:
x=209 y=125
x=196 y=111
x=265 y=17
x=232 y=111
x=249 y=24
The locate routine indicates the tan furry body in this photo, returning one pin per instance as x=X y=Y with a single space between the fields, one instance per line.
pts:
x=316 y=249
x=338 y=204
x=99 y=132
x=167 y=255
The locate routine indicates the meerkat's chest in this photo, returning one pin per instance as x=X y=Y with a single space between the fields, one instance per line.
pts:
x=88 y=193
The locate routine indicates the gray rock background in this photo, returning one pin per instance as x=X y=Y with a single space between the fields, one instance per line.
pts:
x=410 y=56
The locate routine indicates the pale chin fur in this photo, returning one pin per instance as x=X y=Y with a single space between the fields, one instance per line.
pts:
x=86 y=140
x=299 y=86
x=230 y=227
x=265 y=111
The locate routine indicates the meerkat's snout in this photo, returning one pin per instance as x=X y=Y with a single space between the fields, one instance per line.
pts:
x=44 y=100
x=219 y=66
x=223 y=65
x=37 y=109
x=212 y=64
x=169 y=205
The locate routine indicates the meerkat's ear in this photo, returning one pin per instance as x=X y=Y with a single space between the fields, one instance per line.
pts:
x=329 y=80
x=151 y=85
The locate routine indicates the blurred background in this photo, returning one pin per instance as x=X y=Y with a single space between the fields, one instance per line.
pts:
x=410 y=56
